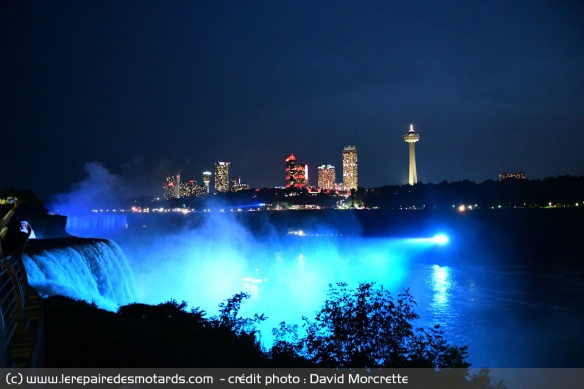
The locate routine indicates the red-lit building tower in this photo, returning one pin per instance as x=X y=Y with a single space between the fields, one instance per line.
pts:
x=296 y=174
x=172 y=187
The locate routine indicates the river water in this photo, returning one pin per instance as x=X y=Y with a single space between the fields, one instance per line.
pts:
x=508 y=284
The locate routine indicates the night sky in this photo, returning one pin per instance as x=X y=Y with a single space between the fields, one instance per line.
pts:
x=152 y=88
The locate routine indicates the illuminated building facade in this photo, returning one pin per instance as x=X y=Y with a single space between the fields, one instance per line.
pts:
x=237 y=185
x=412 y=137
x=290 y=165
x=222 y=176
x=206 y=181
x=326 y=177
x=191 y=189
x=172 y=187
x=296 y=174
x=350 y=171
x=512 y=176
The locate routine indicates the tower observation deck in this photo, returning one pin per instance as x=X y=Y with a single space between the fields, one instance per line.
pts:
x=412 y=137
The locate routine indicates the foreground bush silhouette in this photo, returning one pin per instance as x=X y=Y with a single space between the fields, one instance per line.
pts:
x=360 y=328
x=79 y=334
x=367 y=328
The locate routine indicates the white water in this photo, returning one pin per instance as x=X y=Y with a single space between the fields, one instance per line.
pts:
x=95 y=271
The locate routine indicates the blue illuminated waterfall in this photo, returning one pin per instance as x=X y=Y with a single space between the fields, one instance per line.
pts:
x=88 y=224
x=94 y=270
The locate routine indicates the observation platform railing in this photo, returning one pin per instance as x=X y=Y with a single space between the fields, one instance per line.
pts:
x=21 y=317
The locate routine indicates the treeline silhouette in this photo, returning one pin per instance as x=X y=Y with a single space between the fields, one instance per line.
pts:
x=558 y=191
x=363 y=327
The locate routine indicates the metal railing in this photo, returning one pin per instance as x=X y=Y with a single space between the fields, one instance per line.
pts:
x=13 y=281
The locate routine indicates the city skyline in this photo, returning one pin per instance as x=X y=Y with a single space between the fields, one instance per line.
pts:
x=155 y=89
x=297 y=176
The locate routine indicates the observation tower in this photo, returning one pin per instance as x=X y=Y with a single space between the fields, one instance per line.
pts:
x=412 y=137
x=206 y=181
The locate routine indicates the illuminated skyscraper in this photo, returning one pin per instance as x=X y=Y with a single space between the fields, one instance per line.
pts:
x=290 y=164
x=412 y=137
x=206 y=180
x=190 y=189
x=350 y=177
x=172 y=187
x=326 y=177
x=222 y=176
x=296 y=174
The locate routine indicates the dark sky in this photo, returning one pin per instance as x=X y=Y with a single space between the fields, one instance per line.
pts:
x=151 y=88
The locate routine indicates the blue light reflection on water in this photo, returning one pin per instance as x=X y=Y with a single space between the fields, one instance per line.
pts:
x=493 y=310
x=295 y=284
x=440 y=285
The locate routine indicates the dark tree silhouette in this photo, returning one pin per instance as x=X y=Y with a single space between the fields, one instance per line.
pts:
x=229 y=317
x=366 y=327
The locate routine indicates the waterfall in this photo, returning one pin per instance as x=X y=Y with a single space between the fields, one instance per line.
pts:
x=94 y=270
x=96 y=222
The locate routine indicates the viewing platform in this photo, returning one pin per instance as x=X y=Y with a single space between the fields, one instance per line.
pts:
x=21 y=317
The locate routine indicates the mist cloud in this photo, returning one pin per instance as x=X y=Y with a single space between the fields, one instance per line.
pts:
x=100 y=190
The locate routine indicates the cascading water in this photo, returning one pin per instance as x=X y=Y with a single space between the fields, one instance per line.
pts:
x=94 y=270
x=86 y=225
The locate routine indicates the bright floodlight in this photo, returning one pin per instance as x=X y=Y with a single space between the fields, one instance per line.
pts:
x=440 y=239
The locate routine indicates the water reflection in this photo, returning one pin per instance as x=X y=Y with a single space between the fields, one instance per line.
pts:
x=442 y=284
x=441 y=287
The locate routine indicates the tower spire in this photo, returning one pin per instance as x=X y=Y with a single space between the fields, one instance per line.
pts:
x=412 y=137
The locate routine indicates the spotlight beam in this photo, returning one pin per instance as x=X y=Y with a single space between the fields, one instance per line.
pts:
x=440 y=239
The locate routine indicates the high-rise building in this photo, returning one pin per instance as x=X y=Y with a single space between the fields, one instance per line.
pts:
x=412 y=137
x=326 y=177
x=206 y=181
x=172 y=187
x=290 y=164
x=350 y=176
x=191 y=188
x=187 y=188
x=296 y=174
x=222 y=176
